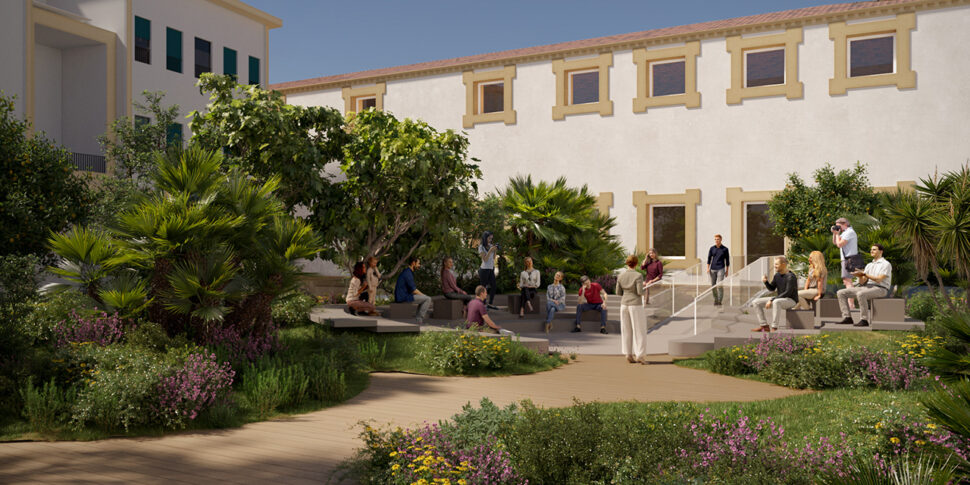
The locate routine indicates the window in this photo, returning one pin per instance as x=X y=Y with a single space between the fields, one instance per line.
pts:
x=668 y=222
x=668 y=230
x=203 y=56
x=365 y=102
x=667 y=77
x=173 y=50
x=141 y=121
x=488 y=96
x=759 y=240
x=229 y=62
x=869 y=56
x=253 y=70
x=875 y=53
x=143 y=40
x=764 y=65
x=363 y=97
x=582 y=86
x=174 y=134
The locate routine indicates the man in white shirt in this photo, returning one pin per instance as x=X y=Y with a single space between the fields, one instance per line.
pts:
x=845 y=238
x=874 y=282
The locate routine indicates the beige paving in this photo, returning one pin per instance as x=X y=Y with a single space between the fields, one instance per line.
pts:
x=307 y=448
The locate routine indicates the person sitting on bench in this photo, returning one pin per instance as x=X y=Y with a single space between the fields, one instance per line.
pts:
x=406 y=290
x=355 y=304
x=595 y=298
x=874 y=282
x=786 y=284
x=449 y=285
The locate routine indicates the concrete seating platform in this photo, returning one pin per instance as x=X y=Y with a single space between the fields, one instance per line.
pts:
x=801 y=319
x=515 y=302
x=446 y=309
x=403 y=310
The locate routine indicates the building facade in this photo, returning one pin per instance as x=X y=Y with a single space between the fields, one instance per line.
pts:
x=85 y=63
x=686 y=131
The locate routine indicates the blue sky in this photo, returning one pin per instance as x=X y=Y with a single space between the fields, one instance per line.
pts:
x=325 y=37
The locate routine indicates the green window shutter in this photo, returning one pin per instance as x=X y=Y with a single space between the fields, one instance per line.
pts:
x=173 y=49
x=253 y=70
x=229 y=62
x=143 y=40
x=175 y=134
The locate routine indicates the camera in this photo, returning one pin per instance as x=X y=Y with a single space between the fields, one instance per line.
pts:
x=836 y=228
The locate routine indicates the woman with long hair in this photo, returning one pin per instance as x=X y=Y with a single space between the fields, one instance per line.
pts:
x=815 y=282
x=555 y=299
x=373 y=279
x=655 y=271
x=356 y=288
x=528 y=285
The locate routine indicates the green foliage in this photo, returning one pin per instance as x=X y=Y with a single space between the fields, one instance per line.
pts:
x=202 y=249
x=801 y=210
x=374 y=354
x=559 y=227
x=902 y=470
x=405 y=184
x=326 y=382
x=149 y=336
x=39 y=190
x=266 y=137
x=292 y=308
x=477 y=425
x=46 y=313
x=463 y=353
x=952 y=362
x=18 y=289
x=46 y=407
x=269 y=385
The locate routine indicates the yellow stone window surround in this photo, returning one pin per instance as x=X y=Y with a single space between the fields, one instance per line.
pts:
x=352 y=95
x=689 y=199
x=738 y=46
x=563 y=68
x=841 y=33
x=643 y=58
x=473 y=82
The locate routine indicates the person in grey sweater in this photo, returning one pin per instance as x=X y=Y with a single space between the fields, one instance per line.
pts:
x=633 y=321
x=786 y=284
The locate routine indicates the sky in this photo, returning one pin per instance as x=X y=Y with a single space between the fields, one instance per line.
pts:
x=326 y=37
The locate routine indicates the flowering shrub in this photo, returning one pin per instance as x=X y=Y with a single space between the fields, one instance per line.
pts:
x=234 y=347
x=816 y=362
x=428 y=456
x=900 y=434
x=607 y=282
x=100 y=329
x=459 y=352
x=292 y=308
x=725 y=446
x=200 y=383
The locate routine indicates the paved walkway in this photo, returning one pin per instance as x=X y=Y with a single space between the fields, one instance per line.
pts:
x=306 y=448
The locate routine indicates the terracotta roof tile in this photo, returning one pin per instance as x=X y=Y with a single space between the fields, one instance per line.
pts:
x=698 y=28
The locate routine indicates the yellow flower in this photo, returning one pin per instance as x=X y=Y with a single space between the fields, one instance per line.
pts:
x=395 y=466
x=393 y=453
x=879 y=425
x=894 y=440
x=931 y=426
x=920 y=442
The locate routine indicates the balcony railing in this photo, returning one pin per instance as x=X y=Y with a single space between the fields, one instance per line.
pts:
x=88 y=163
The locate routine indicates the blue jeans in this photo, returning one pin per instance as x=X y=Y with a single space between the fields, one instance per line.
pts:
x=551 y=309
x=591 y=306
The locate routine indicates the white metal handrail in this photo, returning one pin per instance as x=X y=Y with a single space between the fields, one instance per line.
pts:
x=750 y=275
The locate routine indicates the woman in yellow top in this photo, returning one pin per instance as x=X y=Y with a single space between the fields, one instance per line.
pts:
x=815 y=283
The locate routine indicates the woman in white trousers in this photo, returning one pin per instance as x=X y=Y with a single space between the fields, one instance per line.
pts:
x=633 y=321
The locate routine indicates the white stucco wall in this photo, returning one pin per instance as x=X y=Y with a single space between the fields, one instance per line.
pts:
x=12 y=52
x=83 y=90
x=47 y=94
x=221 y=27
x=900 y=134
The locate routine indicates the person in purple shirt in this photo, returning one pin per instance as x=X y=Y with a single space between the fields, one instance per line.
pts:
x=655 y=271
x=718 y=266
x=478 y=312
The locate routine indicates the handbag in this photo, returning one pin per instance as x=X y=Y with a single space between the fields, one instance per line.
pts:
x=854 y=262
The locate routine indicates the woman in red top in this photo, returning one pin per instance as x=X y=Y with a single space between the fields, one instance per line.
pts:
x=655 y=271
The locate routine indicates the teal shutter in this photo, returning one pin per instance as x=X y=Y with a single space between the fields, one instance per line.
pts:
x=173 y=49
x=253 y=70
x=229 y=62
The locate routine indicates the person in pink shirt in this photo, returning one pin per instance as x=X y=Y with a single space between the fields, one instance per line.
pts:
x=595 y=298
x=449 y=285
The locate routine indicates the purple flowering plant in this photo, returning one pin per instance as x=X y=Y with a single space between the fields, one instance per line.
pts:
x=100 y=329
x=200 y=383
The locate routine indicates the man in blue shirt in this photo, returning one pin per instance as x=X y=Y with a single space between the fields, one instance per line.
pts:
x=718 y=263
x=406 y=290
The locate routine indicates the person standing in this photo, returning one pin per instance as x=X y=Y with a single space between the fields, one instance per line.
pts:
x=845 y=238
x=595 y=298
x=449 y=285
x=718 y=265
x=555 y=299
x=633 y=321
x=373 y=278
x=406 y=290
x=528 y=283
x=486 y=272
x=875 y=281
x=655 y=272
x=786 y=284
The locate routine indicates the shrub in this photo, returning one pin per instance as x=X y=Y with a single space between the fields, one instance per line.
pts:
x=373 y=353
x=236 y=348
x=46 y=407
x=460 y=353
x=270 y=385
x=100 y=329
x=292 y=309
x=476 y=425
x=200 y=383
x=921 y=306
x=48 y=314
x=326 y=382
x=149 y=336
x=608 y=282
x=730 y=361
